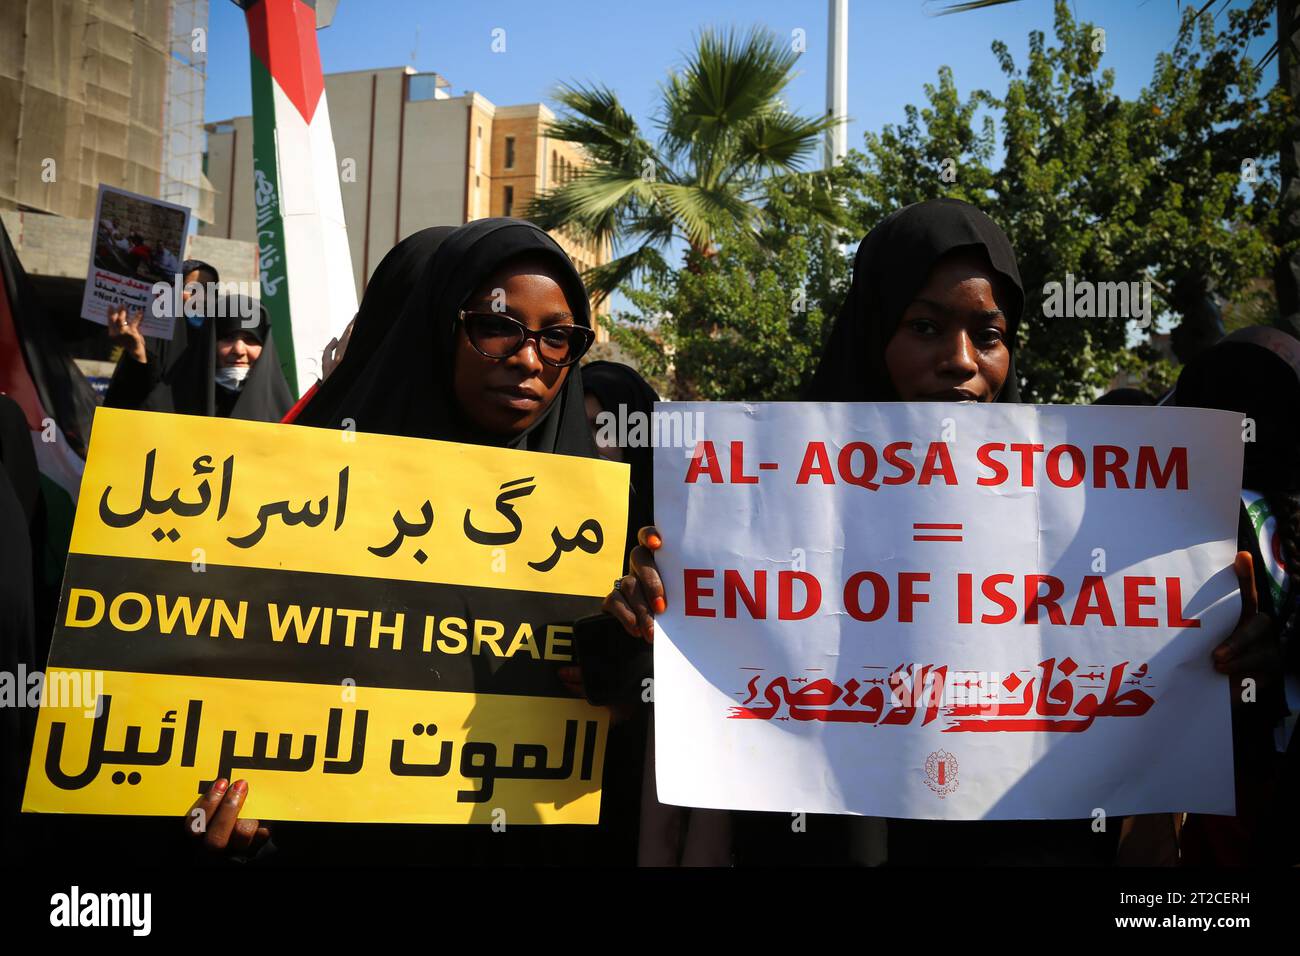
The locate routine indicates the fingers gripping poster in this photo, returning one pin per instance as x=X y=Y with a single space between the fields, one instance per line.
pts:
x=366 y=628
x=939 y=611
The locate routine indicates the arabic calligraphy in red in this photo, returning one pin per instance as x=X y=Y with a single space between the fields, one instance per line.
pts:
x=1042 y=701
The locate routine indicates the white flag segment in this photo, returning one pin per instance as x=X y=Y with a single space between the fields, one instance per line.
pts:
x=322 y=294
x=1102 y=698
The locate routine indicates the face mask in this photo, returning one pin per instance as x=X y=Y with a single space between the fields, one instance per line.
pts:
x=232 y=376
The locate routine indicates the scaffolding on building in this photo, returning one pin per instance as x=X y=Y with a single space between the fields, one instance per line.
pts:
x=183 y=181
x=84 y=91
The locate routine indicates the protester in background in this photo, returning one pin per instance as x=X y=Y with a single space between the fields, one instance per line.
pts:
x=1256 y=371
x=228 y=367
x=199 y=285
x=47 y=389
x=452 y=367
x=197 y=277
x=385 y=294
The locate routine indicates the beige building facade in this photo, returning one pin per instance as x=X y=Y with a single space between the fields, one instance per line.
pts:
x=100 y=91
x=410 y=156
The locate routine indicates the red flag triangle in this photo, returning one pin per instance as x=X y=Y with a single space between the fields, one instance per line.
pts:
x=282 y=35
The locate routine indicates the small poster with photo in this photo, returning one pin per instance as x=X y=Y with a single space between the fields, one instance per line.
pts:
x=138 y=242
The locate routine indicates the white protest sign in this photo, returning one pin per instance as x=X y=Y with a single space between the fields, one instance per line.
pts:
x=136 y=250
x=947 y=611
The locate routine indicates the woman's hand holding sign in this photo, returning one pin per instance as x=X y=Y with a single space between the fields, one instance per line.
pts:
x=125 y=331
x=1252 y=650
x=639 y=595
x=214 y=822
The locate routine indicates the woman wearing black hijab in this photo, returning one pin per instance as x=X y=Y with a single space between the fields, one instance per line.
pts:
x=898 y=338
x=454 y=368
x=199 y=284
x=933 y=310
x=931 y=315
x=227 y=369
x=199 y=281
x=1256 y=371
x=429 y=378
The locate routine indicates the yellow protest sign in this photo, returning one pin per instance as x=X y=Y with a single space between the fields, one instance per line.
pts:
x=298 y=607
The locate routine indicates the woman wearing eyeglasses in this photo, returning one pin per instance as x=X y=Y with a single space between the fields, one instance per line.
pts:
x=483 y=350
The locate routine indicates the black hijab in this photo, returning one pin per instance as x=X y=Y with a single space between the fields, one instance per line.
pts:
x=189 y=386
x=405 y=386
x=892 y=265
x=387 y=291
x=1255 y=371
x=616 y=386
x=168 y=350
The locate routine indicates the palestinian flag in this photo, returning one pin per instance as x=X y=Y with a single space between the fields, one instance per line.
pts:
x=37 y=372
x=306 y=266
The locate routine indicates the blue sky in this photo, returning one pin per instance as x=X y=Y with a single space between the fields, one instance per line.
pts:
x=895 y=46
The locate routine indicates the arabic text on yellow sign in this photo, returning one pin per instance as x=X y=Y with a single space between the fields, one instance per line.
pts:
x=334 y=753
x=535 y=517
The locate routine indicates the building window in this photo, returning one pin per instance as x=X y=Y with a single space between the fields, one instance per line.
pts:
x=424 y=86
x=510 y=201
x=510 y=152
x=478 y=150
x=555 y=168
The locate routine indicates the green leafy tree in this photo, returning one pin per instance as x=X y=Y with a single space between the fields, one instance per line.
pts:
x=748 y=321
x=1105 y=189
x=724 y=132
x=1285 y=48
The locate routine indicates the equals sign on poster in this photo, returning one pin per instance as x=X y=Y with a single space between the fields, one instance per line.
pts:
x=936 y=532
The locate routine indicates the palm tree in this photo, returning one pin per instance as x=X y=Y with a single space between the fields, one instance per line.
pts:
x=1286 y=50
x=725 y=135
